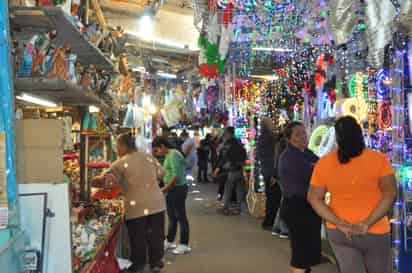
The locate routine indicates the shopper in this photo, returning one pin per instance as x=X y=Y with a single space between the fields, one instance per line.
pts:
x=265 y=154
x=295 y=170
x=220 y=177
x=233 y=159
x=139 y=174
x=189 y=153
x=214 y=143
x=279 y=228
x=203 y=152
x=176 y=190
x=362 y=189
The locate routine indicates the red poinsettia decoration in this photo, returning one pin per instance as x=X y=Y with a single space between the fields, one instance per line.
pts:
x=227 y=14
x=209 y=71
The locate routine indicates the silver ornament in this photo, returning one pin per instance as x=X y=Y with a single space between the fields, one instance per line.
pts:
x=342 y=19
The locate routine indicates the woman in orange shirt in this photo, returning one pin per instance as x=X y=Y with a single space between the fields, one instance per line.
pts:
x=362 y=190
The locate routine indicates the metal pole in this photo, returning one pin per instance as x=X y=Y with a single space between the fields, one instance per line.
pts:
x=7 y=141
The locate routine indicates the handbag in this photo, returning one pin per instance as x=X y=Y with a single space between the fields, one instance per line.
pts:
x=255 y=200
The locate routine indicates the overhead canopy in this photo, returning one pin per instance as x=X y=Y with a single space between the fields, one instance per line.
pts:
x=25 y=22
x=56 y=90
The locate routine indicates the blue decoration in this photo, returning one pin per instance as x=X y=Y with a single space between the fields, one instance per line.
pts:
x=382 y=87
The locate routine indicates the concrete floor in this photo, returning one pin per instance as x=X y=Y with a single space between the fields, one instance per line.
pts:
x=234 y=244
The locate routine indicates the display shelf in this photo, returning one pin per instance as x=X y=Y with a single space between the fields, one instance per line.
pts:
x=104 y=251
x=56 y=90
x=94 y=134
x=70 y=156
x=98 y=165
x=87 y=167
x=29 y=21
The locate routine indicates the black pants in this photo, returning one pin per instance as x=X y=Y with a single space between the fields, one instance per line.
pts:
x=304 y=231
x=176 y=210
x=146 y=235
x=221 y=181
x=273 y=199
x=202 y=171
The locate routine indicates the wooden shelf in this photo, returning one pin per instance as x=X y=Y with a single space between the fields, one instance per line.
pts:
x=98 y=165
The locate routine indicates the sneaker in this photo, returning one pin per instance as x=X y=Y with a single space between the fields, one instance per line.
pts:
x=276 y=232
x=169 y=246
x=182 y=249
x=283 y=235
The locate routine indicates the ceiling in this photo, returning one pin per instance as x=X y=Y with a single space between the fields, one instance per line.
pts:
x=170 y=37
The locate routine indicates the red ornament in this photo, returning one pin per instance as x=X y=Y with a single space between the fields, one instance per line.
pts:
x=291 y=83
x=208 y=71
x=319 y=80
x=281 y=73
x=227 y=14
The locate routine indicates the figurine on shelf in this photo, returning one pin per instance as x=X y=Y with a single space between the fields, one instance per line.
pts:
x=41 y=45
x=26 y=63
x=86 y=80
x=48 y=61
x=103 y=81
x=79 y=72
x=71 y=63
x=59 y=65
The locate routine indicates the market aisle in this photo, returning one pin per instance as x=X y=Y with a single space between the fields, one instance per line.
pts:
x=230 y=244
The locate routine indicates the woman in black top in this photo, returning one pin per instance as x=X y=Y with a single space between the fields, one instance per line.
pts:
x=295 y=170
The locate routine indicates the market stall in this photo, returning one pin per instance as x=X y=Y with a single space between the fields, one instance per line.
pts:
x=320 y=64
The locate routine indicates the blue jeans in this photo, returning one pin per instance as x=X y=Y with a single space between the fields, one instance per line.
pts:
x=234 y=181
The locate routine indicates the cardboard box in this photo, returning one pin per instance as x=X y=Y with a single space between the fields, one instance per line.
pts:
x=39 y=165
x=39 y=151
x=47 y=133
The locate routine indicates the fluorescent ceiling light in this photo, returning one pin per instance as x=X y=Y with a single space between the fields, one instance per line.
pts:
x=141 y=69
x=275 y=49
x=266 y=77
x=161 y=41
x=167 y=75
x=146 y=26
x=36 y=100
x=94 y=109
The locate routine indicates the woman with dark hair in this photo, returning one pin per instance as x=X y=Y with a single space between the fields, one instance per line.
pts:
x=139 y=173
x=176 y=191
x=294 y=170
x=362 y=190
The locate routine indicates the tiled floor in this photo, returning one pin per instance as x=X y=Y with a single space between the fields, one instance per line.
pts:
x=234 y=244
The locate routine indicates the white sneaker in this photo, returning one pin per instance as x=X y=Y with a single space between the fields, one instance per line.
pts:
x=169 y=246
x=182 y=249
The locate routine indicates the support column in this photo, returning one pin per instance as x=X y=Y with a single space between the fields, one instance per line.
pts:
x=7 y=134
